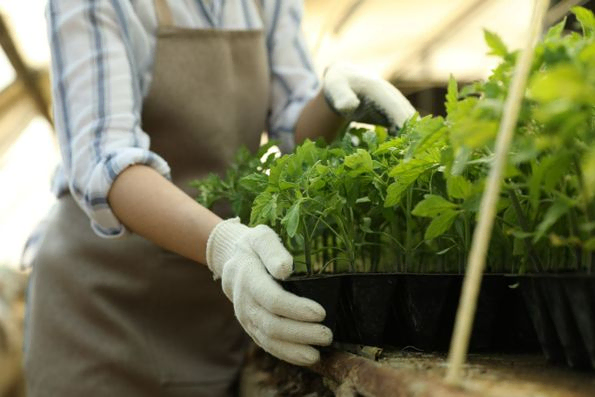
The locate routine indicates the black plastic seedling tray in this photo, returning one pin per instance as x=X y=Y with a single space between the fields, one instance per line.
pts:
x=417 y=310
x=562 y=308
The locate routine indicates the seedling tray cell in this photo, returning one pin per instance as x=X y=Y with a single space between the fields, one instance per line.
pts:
x=418 y=310
x=562 y=310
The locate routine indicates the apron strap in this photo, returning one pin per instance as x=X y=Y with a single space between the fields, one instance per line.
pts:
x=165 y=18
x=163 y=12
x=260 y=8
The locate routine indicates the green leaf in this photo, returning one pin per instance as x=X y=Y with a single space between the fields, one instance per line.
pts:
x=307 y=153
x=586 y=19
x=432 y=132
x=460 y=161
x=452 y=95
x=371 y=140
x=291 y=220
x=520 y=234
x=519 y=248
x=405 y=174
x=495 y=43
x=381 y=133
x=394 y=192
x=554 y=212
x=432 y=205
x=440 y=224
x=264 y=209
x=562 y=82
x=360 y=161
x=254 y=182
x=458 y=187
x=365 y=225
x=546 y=174
x=410 y=170
x=555 y=32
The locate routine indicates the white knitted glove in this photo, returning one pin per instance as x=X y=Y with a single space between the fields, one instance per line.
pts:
x=358 y=96
x=246 y=259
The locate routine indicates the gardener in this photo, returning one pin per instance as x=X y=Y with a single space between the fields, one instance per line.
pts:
x=148 y=96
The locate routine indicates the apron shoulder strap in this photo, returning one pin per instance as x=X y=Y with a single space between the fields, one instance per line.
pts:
x=260 y=7
x=163 y=12
x=165 y=18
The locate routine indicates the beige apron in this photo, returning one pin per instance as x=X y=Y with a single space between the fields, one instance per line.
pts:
x=125 y=317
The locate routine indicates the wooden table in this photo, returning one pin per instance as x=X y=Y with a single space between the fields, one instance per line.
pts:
x=352 y=371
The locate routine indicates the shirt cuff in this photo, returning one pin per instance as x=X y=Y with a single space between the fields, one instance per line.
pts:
x=94 y=199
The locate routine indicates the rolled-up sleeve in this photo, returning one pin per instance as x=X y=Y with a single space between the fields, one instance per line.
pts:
x=293 y=79
x=97 y=103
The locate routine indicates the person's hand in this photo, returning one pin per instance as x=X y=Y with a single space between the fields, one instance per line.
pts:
x=357 y=96
x=246 y=259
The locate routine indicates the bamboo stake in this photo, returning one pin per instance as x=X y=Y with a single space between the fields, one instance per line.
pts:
x=483 y=231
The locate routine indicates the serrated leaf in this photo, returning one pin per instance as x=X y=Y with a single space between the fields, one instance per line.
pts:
x=264 y=209
x=431 y=131
x=495 y=44
x=440 y=224
x=432 y=205
x=452 y=95
x=254 y=182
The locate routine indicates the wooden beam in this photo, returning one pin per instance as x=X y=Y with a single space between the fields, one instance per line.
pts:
x=24 y=72
x=371 y=379
x=423 y=48
x=17 y=109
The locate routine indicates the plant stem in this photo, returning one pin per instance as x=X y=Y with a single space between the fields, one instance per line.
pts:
x=525 y=226
x=408 y=253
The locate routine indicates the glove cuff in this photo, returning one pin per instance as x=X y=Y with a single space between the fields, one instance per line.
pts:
x=221 y=244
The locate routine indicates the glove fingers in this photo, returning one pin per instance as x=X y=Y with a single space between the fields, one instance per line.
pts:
x=265 y=242
x=265 y=329
x=338 y=92
x=285 y=329
x=270 y=295
x=389 y=101
x=293 y=353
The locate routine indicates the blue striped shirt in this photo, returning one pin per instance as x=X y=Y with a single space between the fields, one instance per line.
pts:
x=102 y=58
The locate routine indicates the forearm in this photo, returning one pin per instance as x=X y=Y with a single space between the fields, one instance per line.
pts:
x=317 y=120
x=151 y=206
